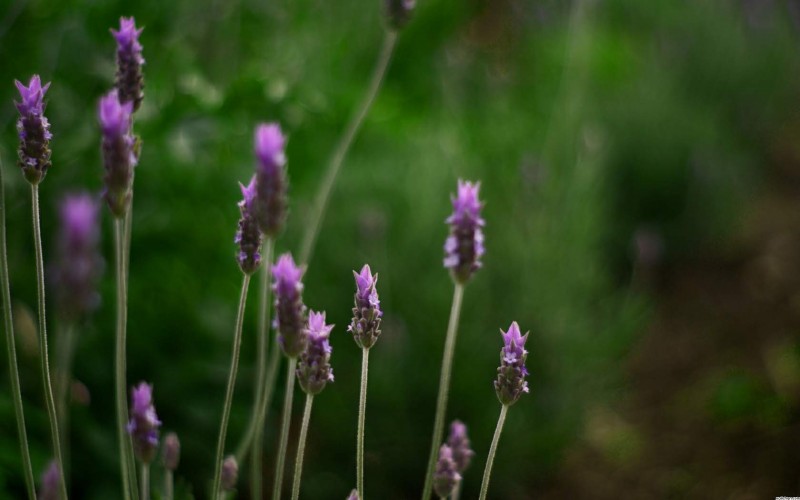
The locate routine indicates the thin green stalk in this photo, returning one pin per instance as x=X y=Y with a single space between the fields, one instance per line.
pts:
x=301 y=446
x=169 y=485
x=48 y=385
x=266 y=399
x=13 y=369
x=444 y=387
x=64 y=349
x=335 y=162
x=362 y=415
x=145 y=489
x=487 y=472
x=226 y=408
x=287 y=414
x=125 y=449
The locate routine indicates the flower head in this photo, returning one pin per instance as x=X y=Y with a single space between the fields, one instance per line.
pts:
x=119 y=156
x=314 y=368
x=248 y=237
x=398 y=12
x=51 y=482
x=270 y=178
x=290 y=312
x=129 y=82
x=445 y=477
x=33 y=130
x=172 y=451
x=459 y=445
x=510 y=383
x=464 y=246
x=144 y=423
x=353 y=495
x=367 y=313
x=230 y=473
x=79 y=261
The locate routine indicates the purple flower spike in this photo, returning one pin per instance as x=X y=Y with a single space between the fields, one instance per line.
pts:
x=459 y=445
x=353 y=495
x=50 y=483
x=445 y=477
x=366 y=323
x=119 y=157
x=270 y=178
x=144 y=423
x=230 y=473
x=248 y=236
x=130 y=82
x=314 y=369
x=290 y=312
x=34 y=130
x=464 y=247
x=511 y=373
x=79 y=261
x=398 y=12
x=172 y=451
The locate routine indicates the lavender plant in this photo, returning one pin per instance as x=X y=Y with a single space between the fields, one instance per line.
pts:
x=445 y=476
x=365 y=328
x=129 y=80
x=171 y=457
x=34 y=160
x=229 y=474
x=463 y=251
x=509 y=386
x=459 y=445
x=143 y=429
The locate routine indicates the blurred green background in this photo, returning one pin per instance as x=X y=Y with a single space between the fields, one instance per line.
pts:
x=640 y=163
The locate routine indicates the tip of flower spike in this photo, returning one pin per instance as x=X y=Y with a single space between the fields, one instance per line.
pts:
x=142 y=396
x=286 y=271
x=115 y=117
x=79 y=215
x=365 y=279
x=269 y=144
x=317 y=329
x=249 y=191
x=353 y=495
x=127 y=35
x=50 y=488
x=172 y=451
x=32 y=96
x=466 y=202
x=513 y=336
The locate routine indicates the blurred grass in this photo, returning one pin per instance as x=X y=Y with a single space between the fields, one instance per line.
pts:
x=585 y=122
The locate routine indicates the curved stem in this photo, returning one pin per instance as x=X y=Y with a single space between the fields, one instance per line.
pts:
x=169 y=485
x=13 y=369
x=487 y=472
x=48 y=385
x=444 y=387
x=362 y=415
x=287 y=413
x=226 y=407
x=301 y=446
x=335 y=162
x=125 y=455
x=145 y=489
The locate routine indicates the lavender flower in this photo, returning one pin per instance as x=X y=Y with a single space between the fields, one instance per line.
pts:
x=270 y=179
x=230 y=473
x=464 y=247
x=144 y=423
x=248 y=237
x=367 y=313
x=172 y=451
x=353 y=495
x=511 y=373
x=130 y=82
x=33 y=129
x=79 y=262
x=398 y=12
x=119 y=157
x=459 y=445
x=50 y=483
x=314 y=369
x=290 y=311
x=445 y=477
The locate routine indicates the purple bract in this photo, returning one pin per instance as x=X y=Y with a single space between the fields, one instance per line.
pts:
x=144 y=423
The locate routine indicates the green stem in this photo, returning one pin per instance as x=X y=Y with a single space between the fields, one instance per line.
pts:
x=362 y=415
x=335 y=162
x=487 y=472
x=169 y=488
x=125 y=455
x=254 y=432
x=64 y=350
x=48 y=385
x=301 y=446
x=145 y=489
x=226 y=408
x=444 y=387
x=456 y=491
x=287 y=414
x=13 y=369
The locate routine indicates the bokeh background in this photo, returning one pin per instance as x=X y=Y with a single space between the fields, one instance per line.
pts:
x=640 y=163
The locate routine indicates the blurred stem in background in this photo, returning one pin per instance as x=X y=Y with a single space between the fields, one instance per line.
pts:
x=336 y=159
x=13 y=369
x=444 y=387
x=284 y=438
x=43 y=356
x=301 y=446
x=487 y=472
x=226 y=408
x=65 y=345
x=145 y=476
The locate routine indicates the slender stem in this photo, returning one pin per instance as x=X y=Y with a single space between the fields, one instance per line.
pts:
x=301 y=446
x=145 y=489
x=125 y=455
x=335 y=162
x=456 y=491
x=444 y=387
x=487 y=472
x=287 y=413
x=169 y=488
x=226 y=407
x=48 y=385
x=362 y=415
x=64 y=350
x=13 y=369
x=258 y=436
